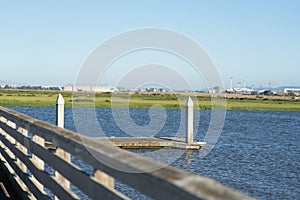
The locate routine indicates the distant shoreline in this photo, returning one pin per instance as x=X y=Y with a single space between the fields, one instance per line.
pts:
x=36 y=98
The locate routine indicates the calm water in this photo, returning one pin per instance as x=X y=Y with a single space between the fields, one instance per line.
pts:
x=257 y=153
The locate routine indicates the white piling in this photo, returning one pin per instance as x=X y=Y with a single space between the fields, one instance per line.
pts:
x=189 y=106
x=60 y=118
x=60 y=106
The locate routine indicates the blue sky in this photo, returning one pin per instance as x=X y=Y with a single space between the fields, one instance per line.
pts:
x=46 y=42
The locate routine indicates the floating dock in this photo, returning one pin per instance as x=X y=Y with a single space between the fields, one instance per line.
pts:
x=150 y=142
x=142 y=143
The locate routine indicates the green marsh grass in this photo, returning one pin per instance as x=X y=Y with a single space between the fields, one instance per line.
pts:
x=142 y=100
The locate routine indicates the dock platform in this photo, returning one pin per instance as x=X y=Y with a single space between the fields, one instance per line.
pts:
x=150 y=142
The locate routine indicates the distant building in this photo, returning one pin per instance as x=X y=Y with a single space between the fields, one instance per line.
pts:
x=115 y=90
x=292 y=91
x=241 y=91
x=265 y=92
x=87 y=88
x=51 y=88
x=151 y=89
x=123 y=89
x=162 y=89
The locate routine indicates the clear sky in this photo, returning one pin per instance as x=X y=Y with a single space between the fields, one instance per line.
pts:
x=46 y=42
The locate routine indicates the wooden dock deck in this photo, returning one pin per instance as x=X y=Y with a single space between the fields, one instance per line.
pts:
x=150 y=142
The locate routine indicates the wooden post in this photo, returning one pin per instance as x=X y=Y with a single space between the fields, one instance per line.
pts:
x=10 y=138
x=104 y=179
x=189 y=106
x=59 y=178
x=60 y=107
x=23 y=149
x=39 y=163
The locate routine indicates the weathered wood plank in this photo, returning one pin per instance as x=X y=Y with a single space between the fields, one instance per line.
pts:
x=80 y=179
x=66 y=157
x=38 y=162
x=24 y=176
x=23 y=149
x=19 y=192
x=42 y=176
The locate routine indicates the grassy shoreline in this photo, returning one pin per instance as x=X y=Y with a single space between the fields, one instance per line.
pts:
x=145 y=100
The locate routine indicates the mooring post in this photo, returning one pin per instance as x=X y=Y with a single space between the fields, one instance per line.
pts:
x=60 y=106
x=189 y=106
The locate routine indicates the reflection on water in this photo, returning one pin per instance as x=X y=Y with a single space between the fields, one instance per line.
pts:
x=257 y=152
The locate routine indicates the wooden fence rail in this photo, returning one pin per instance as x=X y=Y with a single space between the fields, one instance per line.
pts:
x=24 y=155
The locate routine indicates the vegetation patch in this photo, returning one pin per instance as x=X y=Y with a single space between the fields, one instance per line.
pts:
x=145 y=100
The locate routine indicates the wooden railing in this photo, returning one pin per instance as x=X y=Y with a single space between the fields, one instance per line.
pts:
x=25 y=157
